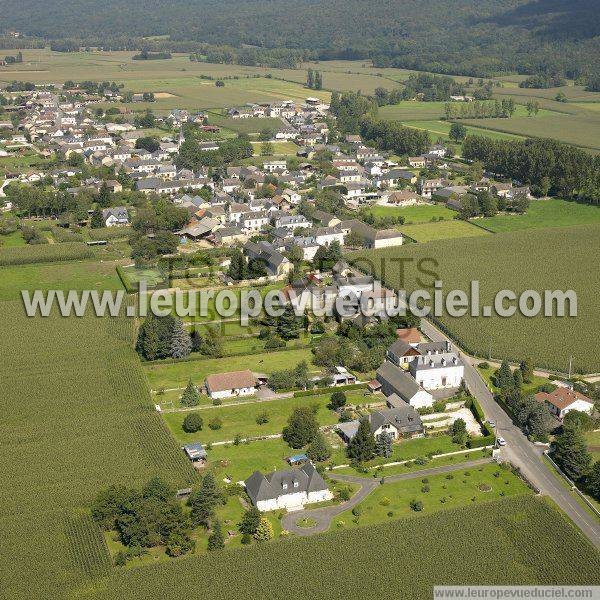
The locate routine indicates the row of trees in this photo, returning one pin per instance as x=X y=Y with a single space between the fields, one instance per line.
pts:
x=486 y=205
x=314 y=80
x=191 y=156
x=391 y=135
x=480 y=110
x=549 y=166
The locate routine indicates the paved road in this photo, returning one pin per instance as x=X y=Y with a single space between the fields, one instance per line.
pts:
x=520 y=451
x=324 y=516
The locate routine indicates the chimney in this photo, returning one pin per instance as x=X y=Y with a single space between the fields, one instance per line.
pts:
x=448 y=345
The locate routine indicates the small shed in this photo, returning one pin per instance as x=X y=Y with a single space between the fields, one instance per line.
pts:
x=195 y=452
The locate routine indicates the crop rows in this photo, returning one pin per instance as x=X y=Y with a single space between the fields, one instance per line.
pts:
x=76 y=417
x=42 y=253
x=561 y=258
x=88 y=548
x=399 y=559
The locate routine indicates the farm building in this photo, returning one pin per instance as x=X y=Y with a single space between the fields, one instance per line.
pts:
x=234 y=383
x=394 y=380
x=195 y=452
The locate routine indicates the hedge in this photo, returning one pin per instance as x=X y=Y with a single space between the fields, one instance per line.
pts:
x=130 y=288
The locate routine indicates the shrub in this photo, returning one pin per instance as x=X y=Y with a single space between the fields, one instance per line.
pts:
x=215 y=423
x=193 y=422
x=416 y=505
x=425 y=489
x=262 y=418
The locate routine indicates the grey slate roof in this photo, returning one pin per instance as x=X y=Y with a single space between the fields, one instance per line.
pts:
x=271 y=486
x=403 y=384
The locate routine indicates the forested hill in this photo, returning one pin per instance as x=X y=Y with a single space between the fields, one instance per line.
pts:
x=468 y=36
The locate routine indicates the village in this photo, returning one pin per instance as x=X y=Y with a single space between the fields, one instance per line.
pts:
x=317 y=406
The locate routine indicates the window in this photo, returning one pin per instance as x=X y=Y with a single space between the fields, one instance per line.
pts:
x=296 y=484
x=284 y=486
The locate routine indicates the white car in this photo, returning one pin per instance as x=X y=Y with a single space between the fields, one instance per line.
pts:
x=491 y=423
x=501 y=441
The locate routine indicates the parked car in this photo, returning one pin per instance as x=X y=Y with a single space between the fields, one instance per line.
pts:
x=501 y=441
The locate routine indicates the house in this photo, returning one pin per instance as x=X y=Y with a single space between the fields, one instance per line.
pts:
x=277 y=264
x=289 y=489
x=233 y=383
x=563 y=400
x=428 y=187
x=401 y=352
x=229 y=235
x=341 y=376
x=417 y=162
x=115 y=216
x=404 y=198
x=395 y=380
x=195 y=452
x=402 y=421
x=437 y=371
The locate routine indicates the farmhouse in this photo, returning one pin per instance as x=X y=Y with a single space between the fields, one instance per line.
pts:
x=437 y=371
x=290 y=489
x=234 y=383
x=563 y=400
x=394 y=380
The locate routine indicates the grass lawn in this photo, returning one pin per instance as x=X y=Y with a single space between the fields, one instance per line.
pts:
x=83 y=275
x=413 y=214
x=279 y=148
x=544 y=213
x=12 y=239
x=441 y=230
x=461 y=488
x=176 y=375
x=241 y=419
x=593 y=438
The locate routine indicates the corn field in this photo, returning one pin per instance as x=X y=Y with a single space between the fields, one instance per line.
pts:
x=43 y=253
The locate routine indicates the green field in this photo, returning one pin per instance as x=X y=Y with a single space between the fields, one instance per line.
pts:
x=544 y=213
x=463 y=544
x=77 y=416
x=176 y=375
x=74 y=275
x=593 y=438
x=250 y=125
x=442 y=230
x=11 y=240
x=442 y=128
x=460 y=488
x=413 y=214
x=518 y=261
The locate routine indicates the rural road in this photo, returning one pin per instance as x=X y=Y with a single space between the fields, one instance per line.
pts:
x=324 y=516
x=520 y=451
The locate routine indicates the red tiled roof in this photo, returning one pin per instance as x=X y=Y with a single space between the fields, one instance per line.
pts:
x=561 y=397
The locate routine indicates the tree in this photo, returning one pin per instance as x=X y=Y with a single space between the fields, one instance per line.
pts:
x=593 y=481
x=267 y=149
x=181 y=343
x=458 y=431
x=250 y=521
x=190 y=396
x=504 y=377
x=96 y=220
x=310 y=79
x=204 y=500
x=526 y=367
x=302 y=427
x=288 y=326
x=193 y=422
x=362 y=446
x=458 y=132
x=264 y=531
x=237 y=266
x=215 y=539
x=383 y=444
x=571 y=454
x=338 y=399
x=154 y=337
x=147 y=143
x=104 y=196
x=518 y=379
x=319 y=450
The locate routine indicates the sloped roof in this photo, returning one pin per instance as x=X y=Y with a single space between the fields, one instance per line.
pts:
x=230 y=381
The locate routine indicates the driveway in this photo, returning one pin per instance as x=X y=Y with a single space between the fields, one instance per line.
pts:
x=324 y=516
x=520 y=451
